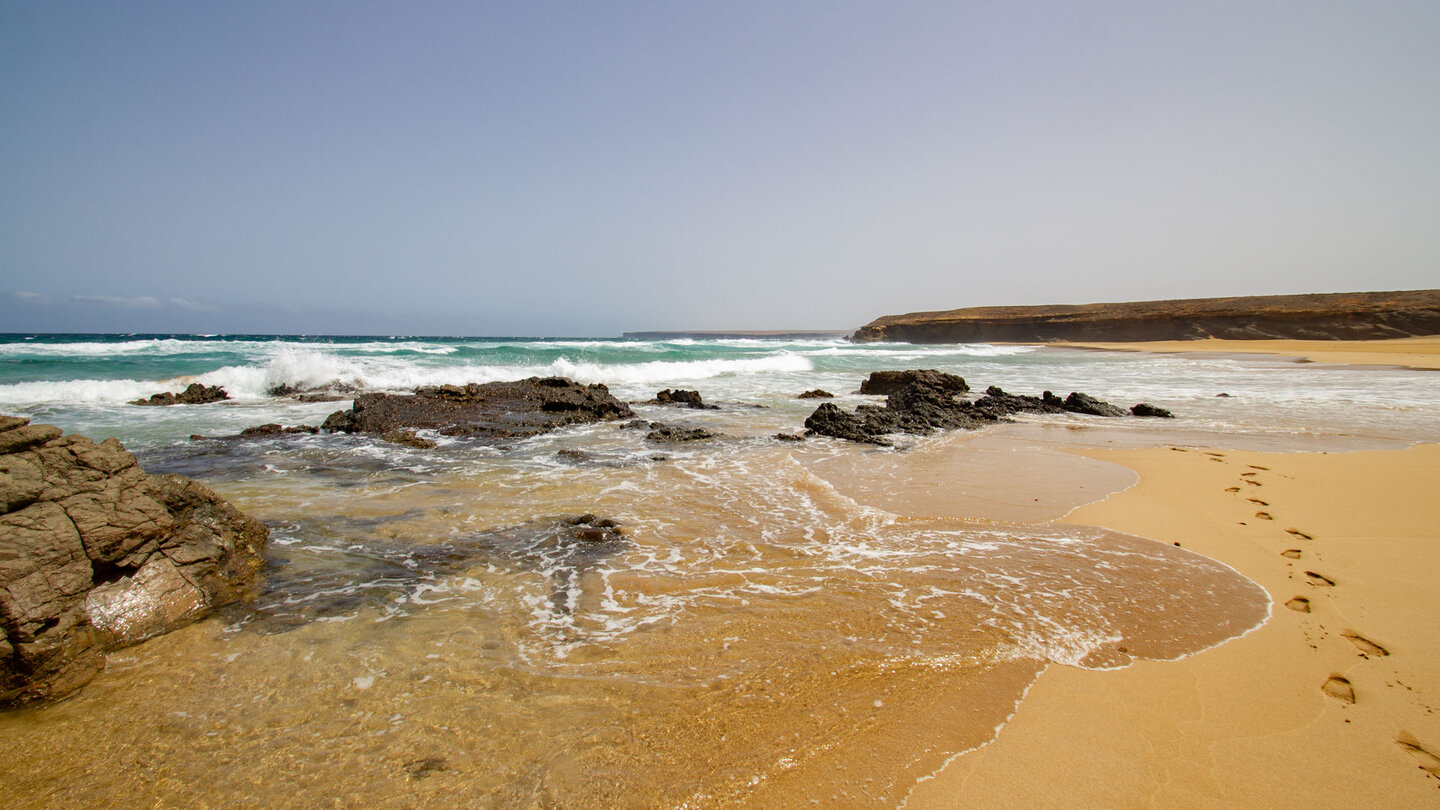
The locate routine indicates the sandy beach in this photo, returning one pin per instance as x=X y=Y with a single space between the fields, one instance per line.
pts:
x=1334 y=701
x=1413 y=352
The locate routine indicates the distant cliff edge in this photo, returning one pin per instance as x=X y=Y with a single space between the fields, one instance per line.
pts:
x=1329 y=316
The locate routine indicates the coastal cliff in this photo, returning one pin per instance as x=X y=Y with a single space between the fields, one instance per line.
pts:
x=1332 y=316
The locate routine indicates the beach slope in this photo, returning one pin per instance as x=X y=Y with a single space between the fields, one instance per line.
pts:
x=1334 y=702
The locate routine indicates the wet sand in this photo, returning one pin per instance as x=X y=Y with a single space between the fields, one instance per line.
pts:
x=1413 y=352
x=1333 y=702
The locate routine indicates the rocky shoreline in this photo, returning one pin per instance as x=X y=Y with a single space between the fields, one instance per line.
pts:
x=1334 y=316
x=96 y=554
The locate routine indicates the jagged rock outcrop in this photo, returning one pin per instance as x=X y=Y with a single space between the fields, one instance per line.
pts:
x=499 y=410
x=1333 y=316
x=95 y=554
x=194 y=394
x=930 y=400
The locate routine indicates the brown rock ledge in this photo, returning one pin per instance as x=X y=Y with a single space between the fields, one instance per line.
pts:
x=95 y=554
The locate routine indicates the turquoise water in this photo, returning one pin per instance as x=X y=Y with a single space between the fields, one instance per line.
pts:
x=83 y=382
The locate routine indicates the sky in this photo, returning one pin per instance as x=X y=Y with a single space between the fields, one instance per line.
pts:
x=581 y=168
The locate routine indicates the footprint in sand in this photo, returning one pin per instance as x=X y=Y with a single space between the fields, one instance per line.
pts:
x=1366 y=647
x=1232 y=489
x=1264 y=516
x=1256 y=467
x=1255 y=501
x=1300 y=534
x=1247 y=475
x=1299 y=604
x=1216 y=455
x=1253 y=483
x=1428 y=761
x=1338 y=687
x=1292 y=553
x=1319 y=579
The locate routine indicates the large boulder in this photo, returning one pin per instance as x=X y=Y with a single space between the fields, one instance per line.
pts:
x=884 y=383
x=95 y=554
x=499 y=410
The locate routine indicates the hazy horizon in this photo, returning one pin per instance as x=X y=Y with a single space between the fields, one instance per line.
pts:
x=462 y=169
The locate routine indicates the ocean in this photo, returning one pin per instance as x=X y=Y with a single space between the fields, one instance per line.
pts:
x=784 y=624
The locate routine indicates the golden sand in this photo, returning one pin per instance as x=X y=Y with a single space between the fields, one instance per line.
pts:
x=1335 y=702
x=1412 y=352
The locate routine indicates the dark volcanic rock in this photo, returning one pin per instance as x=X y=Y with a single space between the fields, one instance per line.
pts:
x=272 y=429
x=95 y=554
x=816 y=393
x=680 y=396
x=1333 y=316
x=929 y=401
x=500 y=410
x=1086 y=404
x=1000 y=403
x=194 y=394
x=883 y=383
x=1146 y=409
x=671 y=434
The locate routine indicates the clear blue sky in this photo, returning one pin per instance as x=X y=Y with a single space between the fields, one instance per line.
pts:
x=585 y=168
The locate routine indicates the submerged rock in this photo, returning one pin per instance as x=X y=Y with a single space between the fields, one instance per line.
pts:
x=194 y=394
x=816 y=393
x=381 y=571
x=500 y=410
x=95 y=555
x=409 y=438
x=671 y=434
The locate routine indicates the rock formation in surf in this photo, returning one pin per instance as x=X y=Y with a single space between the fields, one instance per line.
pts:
x=924 y=400
x=498 y=410
x=194 y=394
x=1333 y=316
x=95 y=554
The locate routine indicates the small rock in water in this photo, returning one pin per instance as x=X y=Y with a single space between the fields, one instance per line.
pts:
x=816 y=393
x=1146 y=409
x=689 y=399
x=670 y=434
x=194 y=394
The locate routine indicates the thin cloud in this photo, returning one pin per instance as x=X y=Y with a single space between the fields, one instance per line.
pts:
x=192 y=305
x=31 y=298
x=119 y=301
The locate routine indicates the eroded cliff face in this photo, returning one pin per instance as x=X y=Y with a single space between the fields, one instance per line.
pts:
x=1335 y=316
x=95 y=554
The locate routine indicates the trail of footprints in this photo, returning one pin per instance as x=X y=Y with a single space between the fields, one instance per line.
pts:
x=1337 y=686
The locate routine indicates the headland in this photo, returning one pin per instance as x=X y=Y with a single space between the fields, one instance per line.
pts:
x=1330 y=316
